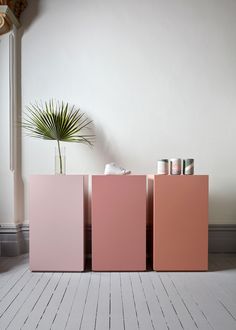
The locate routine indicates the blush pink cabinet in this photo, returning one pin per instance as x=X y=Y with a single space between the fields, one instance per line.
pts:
x=56 y=214
x=180 y=234
x=118 y=223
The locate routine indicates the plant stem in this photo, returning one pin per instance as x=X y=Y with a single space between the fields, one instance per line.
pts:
x=59 y=152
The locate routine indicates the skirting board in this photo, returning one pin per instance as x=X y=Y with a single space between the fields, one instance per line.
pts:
x=14 y=239
x=222 y=239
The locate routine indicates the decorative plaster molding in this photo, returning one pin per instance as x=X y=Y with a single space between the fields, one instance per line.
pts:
x=12 y=94
x=16 y=6
x=11 y=228
x=5 y=24
x=7 y=20
x=10 y=11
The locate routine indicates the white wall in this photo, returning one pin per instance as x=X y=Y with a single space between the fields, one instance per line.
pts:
x=158 y=77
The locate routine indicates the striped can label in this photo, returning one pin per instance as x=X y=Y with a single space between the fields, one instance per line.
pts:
x=188 y=166
x=175 y=166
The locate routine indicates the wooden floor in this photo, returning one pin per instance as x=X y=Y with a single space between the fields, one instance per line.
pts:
x=129 y=301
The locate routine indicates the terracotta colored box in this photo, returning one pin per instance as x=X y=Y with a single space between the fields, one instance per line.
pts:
x=180 y=234
x=56 y=212
x=119 y=223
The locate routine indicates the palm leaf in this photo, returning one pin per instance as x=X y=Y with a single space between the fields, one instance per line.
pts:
x=58 y=121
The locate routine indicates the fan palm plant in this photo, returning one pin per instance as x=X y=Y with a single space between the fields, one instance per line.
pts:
x=58 y=121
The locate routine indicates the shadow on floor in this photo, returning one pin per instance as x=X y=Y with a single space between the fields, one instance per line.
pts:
x=222 y=261
x=217 y=262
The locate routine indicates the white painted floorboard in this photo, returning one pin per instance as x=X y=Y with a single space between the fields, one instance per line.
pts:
x=118 y=301
x=103 y=306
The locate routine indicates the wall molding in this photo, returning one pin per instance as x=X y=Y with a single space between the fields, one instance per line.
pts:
x=10 y=12
x=9 y=228
x=7 y=19
x=14 y=239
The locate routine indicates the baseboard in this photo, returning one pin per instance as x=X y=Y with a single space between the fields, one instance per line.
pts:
x=222 y=238
x=14 y=239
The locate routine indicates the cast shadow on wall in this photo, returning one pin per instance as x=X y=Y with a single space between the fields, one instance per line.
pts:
x=103 y=152
x=105 y=147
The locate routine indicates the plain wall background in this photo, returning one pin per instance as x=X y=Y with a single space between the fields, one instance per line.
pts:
x=158 y=78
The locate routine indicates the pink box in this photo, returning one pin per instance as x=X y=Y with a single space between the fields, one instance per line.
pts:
x=180 y=234
x=56 y=213
x=119 y=223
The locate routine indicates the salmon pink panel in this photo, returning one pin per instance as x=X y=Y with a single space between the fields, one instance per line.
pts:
x=119 y=223
x=56 y=212
x=180 y=222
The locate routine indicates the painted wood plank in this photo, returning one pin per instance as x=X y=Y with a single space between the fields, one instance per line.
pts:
x=167 y=306
x=156 y=311
x=103 y=310
x=12 y=278
x=194 y=308
x=12 y=264
x=6 y=264
x=7 y=300
x=117 y=311
x=183 y=312
x=52 y=308
x=19 y=300
x=130 y=311
x=91 y=305
x=226 y=298
x=6 y=270
x=25 y=310
x=105 y=301
x=215 y=313
x=3 y=261
x=76 y=314
x=9 y=264
x=222 y=262
x=143 y=309
x=63 y=312
x=38 y=310
x=225 y=273
x=227 y=284
x=11 y=267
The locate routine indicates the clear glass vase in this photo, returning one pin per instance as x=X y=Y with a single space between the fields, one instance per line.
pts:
x=60 y=161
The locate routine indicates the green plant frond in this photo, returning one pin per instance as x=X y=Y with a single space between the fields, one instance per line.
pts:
x=40 y=123
x=58 y=121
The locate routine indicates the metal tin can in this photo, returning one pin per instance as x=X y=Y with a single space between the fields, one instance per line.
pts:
x=175 y=166
x=188 y=166
x=162 y=166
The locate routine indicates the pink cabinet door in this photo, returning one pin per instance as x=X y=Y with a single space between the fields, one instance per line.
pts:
x=56 y=212
x=180 y=222
x=119 y=223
